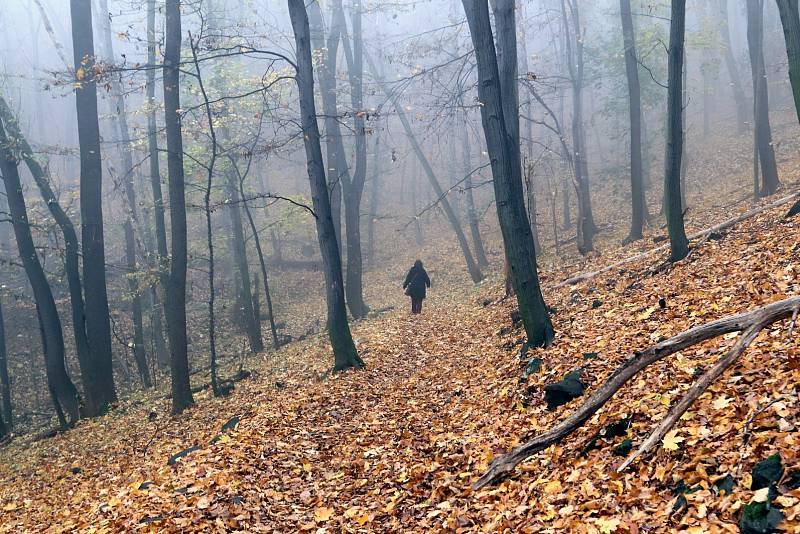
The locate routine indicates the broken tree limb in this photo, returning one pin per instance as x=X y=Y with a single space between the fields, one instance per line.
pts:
x=697 y=389
x=717 y=228
x=503 y=465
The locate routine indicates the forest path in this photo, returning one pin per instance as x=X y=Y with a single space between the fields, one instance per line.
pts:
x=395 y=447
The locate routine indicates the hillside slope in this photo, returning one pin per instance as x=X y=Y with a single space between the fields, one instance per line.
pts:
x=395 y=447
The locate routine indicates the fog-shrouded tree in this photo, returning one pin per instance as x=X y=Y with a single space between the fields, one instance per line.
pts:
x=175 y=306
x=344 y=349
x=99 y=391
x=6 y=412
x=62 y=390
x=506 y=167
x=790 y=20
x=638 y=209
x=762 y=131
x=673 y=209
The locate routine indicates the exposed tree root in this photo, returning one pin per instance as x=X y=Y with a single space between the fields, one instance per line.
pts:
x=701 y=234
x=750 y=323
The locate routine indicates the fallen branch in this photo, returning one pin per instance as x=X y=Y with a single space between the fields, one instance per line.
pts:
x=718 y=228
x=749 y=322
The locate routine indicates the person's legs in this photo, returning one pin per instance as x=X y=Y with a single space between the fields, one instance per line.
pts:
x=416 y=306
x=419 y=306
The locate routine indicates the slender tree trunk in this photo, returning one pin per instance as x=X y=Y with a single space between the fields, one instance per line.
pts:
x=763 y=133
x=71 y=244
x=161 y=257
x=739 y=99
x=120 y=125
x=5 y=383
x=679 y=245
x=586 y=225
x=353 y=187
x=100 y=391
x=374 y=198
x=472 y=267
x=62 y=390
x=506 y=167
x=344 y=350
x=212 y=294
x=176 y=288
x=263 y=263
x=635 y=112
x=472 y=214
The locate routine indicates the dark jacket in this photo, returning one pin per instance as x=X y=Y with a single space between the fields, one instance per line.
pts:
x=417 y=280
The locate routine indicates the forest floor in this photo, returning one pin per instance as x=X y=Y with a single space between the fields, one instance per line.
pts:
x=396 y=447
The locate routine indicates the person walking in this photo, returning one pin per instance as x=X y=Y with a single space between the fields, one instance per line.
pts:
x=416 y=283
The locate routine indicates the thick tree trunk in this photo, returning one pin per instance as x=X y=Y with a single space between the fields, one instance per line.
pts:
x=791 y=33
x=344 y=350
x=507 y=171
x=679 y=245
x=5 y=382
x=175 y=305
x=763 y=133
x=790 y=20
x=472 y=267
x=62 y=390
x=327 y=51
x=635 y=112
x=739 y=99
x=99 y=391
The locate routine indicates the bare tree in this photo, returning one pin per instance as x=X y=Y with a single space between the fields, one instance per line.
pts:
x=176 y=287
x=679 y=245
x=344 y=350
x=507 y=170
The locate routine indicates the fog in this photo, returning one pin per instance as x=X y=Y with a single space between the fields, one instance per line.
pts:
x=254 y=157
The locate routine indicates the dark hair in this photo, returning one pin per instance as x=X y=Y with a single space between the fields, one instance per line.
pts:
x=418 y=264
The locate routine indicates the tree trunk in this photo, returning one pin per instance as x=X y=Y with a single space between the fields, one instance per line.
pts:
x=679 y=245
x=739 y=99
x=763 y=133
x=161 y=256
x=353 y=187
x=100 y=391
x=71 y=244
x=635 y=112
x=263 y=263
x=327 y=51
x=5 y=383
x=790 y=20
x=175 y=305
x=586 y=226
x=506 y=168
x=791 y=33
x=472 y=267
x=344 y=350
x=120 y=122
x=374 y=198
x=472 y=214
x=62 y=390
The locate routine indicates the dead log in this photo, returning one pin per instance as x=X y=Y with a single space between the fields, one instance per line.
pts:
x=750 y=323
x=702 y=233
